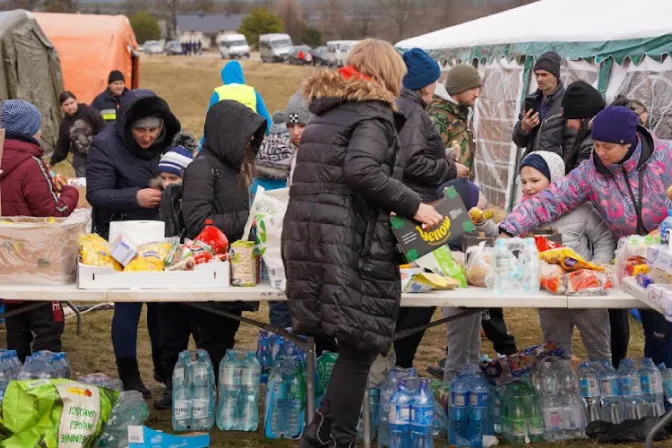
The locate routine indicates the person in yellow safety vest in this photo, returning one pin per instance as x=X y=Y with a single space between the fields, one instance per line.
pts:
x=234 y=88
x=108 y=102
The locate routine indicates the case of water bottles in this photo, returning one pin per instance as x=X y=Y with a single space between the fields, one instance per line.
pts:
x=515 y=266
x=194 y=393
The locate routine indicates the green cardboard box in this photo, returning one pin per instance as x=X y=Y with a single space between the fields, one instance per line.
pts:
x=414 y=242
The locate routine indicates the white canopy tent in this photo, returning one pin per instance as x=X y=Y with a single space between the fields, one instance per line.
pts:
x=619 y=46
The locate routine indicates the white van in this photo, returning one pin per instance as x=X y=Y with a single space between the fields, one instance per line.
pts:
x=338 y=51
x=233 y=46
x=275 y=47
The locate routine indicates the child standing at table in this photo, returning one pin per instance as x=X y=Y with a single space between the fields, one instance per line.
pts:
x=584 y=231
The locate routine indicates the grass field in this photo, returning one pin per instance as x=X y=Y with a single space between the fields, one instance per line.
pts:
x=186 y=83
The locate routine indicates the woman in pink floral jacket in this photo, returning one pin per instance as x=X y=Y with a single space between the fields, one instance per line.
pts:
x=625 y=180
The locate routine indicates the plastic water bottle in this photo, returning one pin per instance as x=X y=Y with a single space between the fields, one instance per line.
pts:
x=400 y=417
x=501 y=262
x=373 y=395
x=535 y=414
x=264 y=355
x=666 y=228
x=652 y=388
x=230 y=375
x=632 y=402
x=325 y=365
x=610 y=391
x=553 y=406
x=249 y=382
x=130 y=409
x=15 y=362
x=479 y=422
x=531 y=266
x=5 y=373
x=284 y=398
x=386 y=393
x=36 y=369
x=574 y=417
x=422 y=417
x=203 y=392
x=458 y=431
x=61 y=365
x=590 y=391
x=182 y=408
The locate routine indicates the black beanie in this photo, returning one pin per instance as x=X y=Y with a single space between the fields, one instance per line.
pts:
x=115 y=75
x=581 y=101
x=550 y=62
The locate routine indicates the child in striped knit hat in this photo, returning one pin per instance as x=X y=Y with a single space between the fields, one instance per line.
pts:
x=175 y=161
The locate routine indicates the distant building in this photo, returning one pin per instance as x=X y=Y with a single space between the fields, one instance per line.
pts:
x=206 y=27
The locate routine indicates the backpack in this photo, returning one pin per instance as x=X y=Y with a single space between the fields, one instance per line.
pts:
x=171 y=211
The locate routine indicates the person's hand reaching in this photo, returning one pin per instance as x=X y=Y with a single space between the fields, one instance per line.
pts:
x=428 y=216
x=148 y=198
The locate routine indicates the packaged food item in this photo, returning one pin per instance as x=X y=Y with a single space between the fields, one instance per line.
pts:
x=198 y=250
x=152 y=256
x=587 y=282
x=479 y=266
x=213 y=237
x=544 y=244
x=441 y=261
x=552 y=278
x=243 y=264
x=94 y=250
x=124 y=250
x=568 y=259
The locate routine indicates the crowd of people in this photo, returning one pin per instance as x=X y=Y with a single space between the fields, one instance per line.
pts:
x=376 y=137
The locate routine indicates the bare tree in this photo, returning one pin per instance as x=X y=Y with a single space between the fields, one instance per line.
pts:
x=399 y=13
x=364 y=20
x=333 y=22
x=61 y=5
x=290 y=13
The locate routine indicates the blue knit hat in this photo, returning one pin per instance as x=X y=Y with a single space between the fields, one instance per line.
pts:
x=175 y=161
x=20 y=118
x=615 y=124
x=422 y=69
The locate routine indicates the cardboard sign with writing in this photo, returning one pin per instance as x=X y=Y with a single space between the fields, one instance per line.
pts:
x=415 y=242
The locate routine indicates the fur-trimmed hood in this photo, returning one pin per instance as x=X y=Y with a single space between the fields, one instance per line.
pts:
x=327 y=89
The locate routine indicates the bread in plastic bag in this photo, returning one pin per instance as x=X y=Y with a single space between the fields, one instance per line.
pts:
x=479 y=266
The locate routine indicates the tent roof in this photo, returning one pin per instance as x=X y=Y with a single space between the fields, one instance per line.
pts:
x=9 y=19
x=81 y=25
x=587 y=22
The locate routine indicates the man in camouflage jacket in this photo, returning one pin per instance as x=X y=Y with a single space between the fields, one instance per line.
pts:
x=450 y=113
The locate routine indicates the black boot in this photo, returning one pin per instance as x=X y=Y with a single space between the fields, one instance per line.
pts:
x=318 y=433
x=166 y=400
x=129 y=374
x=159 y=372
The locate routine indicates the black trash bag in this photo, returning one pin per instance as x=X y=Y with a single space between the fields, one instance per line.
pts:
x=596 y=428
x=630 y=431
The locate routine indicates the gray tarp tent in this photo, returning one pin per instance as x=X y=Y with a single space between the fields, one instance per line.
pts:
x=30 y=70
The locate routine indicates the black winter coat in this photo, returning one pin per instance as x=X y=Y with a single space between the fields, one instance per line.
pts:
x=552 y=134
x=108 y=105
x=582 y=150
x=117 y=167
x=338 y=249
x=76 y=133
x=425 y=164
x=211 y=186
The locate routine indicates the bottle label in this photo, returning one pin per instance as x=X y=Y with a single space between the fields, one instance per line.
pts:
x=646 y=384
x=200 y=409
x=460 y=400
x=519 y=427
x=609 y=387
x=400 y=415
x=656 y=385
x=422 y=416
x=200 y=374
x=178 y=374
x=249 y=378
x=589 y=387
x=630 y=387
x=553 y=418
x=182 y=409
x=572 y=418
x=230 y=376
x=479 y=400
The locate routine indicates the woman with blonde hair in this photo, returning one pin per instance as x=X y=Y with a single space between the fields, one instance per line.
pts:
x=338 y=249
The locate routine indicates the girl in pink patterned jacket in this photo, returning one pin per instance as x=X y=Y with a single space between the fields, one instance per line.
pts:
x=625 y=180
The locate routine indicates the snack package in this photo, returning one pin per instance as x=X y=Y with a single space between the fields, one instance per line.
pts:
x=425 y=282
x=544 y=244
x=587 y=282
x=243 y=264
x=94 y=250
x=214 y=238
x=440 y=261
x=151 y=256
x=479 y=266
x=199 y=251
x=552 y=278
x=568 y=259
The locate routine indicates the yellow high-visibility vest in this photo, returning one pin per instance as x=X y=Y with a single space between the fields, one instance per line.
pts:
x=245 y=95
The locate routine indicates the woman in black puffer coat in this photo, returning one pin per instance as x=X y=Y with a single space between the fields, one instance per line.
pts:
x=426 y=167
x=338 y=249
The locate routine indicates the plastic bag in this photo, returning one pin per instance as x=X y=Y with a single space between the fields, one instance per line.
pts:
x=129 y=410
x=544 y=244
x=102 y=380
x=587 y=282
x=479 y=266
x=568 y=259
x=94 y=250
x=214 y=238
x=151 y=256
x=440 y=261
x=552 y=278
x=54 y=413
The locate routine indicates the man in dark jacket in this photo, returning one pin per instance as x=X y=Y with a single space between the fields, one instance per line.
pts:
x=542 y=127
x=109 y=101
x=581 y=103
x=27 y=190
x=123 y=159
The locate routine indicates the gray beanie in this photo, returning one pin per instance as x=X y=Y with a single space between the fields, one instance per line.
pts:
x=297 y=111
x=278 y=126
x=461 y=78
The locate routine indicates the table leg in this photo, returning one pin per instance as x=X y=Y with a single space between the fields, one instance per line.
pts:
x=310 y=379
x=660 y=426
x=366 y=411
x=78 y=315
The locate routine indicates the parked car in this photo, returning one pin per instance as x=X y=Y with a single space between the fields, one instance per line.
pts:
x=232 y=46
x=300 y=55
x=320 y=56
x=338 y=51
x=153 y=47
x=274 y=47
x=173 y=48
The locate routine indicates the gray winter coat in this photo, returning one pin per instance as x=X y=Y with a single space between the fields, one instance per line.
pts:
x=552 y=134
x=584 y=231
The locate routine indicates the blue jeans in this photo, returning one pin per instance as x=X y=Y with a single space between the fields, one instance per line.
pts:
x=657 y=331
x=278 y=314
x=125 y=331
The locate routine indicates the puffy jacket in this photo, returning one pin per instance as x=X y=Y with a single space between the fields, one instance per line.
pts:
x=76 y=134
x=338 y=249
x=25 y=183
x=108 y=105
x=212 y=189
x=118 y=167
x=422 y=151
x=582 y=150
x=648 y=173
x=552 y=134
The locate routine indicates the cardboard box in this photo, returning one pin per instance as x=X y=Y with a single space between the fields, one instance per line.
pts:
x=144 y=437
x=659 y=257
x=414 y=242
x=204 y=276
x=80 y=184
